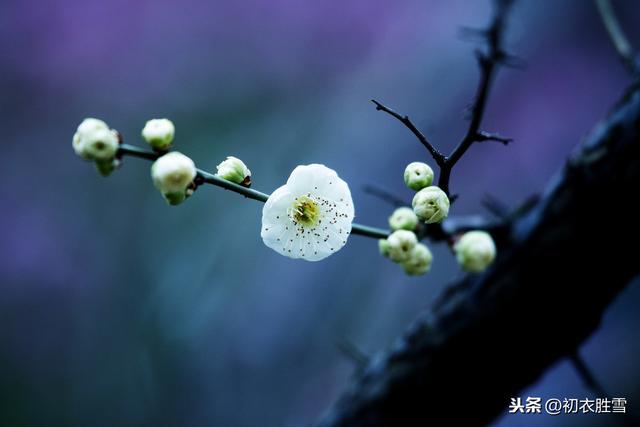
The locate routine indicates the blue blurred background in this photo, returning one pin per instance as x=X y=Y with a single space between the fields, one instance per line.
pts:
x=117 y=309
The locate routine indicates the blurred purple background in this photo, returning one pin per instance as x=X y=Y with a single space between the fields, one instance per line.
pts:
x=120 y=310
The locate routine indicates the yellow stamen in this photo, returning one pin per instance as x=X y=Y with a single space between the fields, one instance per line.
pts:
x=305 y=211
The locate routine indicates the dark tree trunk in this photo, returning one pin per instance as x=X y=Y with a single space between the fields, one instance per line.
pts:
x=561 y=263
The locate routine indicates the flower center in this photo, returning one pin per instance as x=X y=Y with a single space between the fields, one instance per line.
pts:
x=305 y=211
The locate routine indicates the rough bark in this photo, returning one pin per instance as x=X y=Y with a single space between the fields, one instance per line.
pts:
x=561 y=263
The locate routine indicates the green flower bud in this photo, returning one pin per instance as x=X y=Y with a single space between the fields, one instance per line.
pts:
x=418 y=175
x=95 y=141
x=403 y=219
x=475 y=251
x=234 y=170
x=383 y=246
x=401 y=243
x=419 y=261
x=159 y=133
x=175 y=198
x=105 y=167
x=431 y=205
x=172 y=174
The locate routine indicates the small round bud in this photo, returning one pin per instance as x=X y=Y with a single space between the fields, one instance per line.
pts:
x=418 y=175
x=431 y=204
x=475 y=251
x=401 y=243
x=105 y=167
x=383 y=246
x=403 y=219
x=234 y=170
x=95 y=141
x=159 y=133
x=172 y=174
x=419 y=261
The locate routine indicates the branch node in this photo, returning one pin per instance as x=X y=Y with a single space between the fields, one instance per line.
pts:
x=482 y=136
x=353 y=353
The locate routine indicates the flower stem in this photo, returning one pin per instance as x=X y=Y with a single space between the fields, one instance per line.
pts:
x=209 y=178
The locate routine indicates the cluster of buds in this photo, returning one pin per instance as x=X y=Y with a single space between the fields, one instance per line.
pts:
x=474 y=250
x=402 y=247
x=430 y=203
x=94 y=141
x=173 y=173
x=176 y=177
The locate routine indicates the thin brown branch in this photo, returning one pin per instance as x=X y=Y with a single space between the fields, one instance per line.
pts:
x=488 y=136
x=489 y=62
x=437 y=155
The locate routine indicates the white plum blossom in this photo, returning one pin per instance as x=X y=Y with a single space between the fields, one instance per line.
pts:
x=310 y=216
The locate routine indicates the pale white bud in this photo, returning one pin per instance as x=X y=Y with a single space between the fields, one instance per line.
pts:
x=475 y=251
x=400 y=245
x=90 y=124
x=418 y=175
x=234 y=170
x=94 y=140
x=403 y=219
x=159 y=133
x=419 y=261
x=172 y=174
x=431 y=204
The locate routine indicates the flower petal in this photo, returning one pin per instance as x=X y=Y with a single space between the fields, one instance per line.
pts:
x=276 y=207
x=310 y=241
x=277 y=229
x=320 y=180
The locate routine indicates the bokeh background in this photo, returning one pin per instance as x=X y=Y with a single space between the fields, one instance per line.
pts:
x=119 y=310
